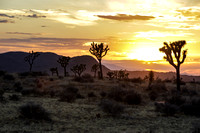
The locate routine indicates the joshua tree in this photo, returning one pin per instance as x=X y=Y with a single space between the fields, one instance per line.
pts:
x=94 y=69
x=151 y=78
x=99 y=51
x=110 y=75
x=78 y=69
x=54 y=70
x=30 y=59
x=174 y=48
x=64 y=61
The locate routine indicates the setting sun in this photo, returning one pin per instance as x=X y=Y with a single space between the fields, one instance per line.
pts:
x=146 y=54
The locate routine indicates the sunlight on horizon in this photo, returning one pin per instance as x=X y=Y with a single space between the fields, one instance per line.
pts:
x=146 y=54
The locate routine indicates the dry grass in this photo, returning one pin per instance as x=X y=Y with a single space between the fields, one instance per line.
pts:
x=81 y=116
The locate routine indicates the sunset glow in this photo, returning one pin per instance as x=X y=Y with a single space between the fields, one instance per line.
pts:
x=134 y=30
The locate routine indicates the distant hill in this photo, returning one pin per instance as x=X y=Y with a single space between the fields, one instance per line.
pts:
x=162 y=75
x=14 y=62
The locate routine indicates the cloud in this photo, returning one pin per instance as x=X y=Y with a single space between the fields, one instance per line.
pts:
x=158 y=34
x=5 y=15
x=23 y=33
x=125 y=17
x=6 y=21
x=35 y=16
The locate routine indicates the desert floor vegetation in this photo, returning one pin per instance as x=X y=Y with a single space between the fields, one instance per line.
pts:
x=61 y=104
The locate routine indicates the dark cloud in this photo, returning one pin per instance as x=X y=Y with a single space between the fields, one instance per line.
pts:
x=125 y=17
x=69 y=43
x=23 y=33
x=5 y=15
x=6 y=21
x=35 y=16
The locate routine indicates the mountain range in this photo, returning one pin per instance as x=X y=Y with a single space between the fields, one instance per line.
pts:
x=14 y=62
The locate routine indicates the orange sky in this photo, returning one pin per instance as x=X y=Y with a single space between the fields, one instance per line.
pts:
x=134 y=30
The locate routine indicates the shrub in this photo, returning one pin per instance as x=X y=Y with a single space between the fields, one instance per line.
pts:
x=167 y=108
x=91 y=94
x=85 y=78
x=2 y=73
x=18 y=87
x=192 y=107
x=8 y=77
x=111 y=107
x=31 y=110
x=176 y=100
x=116 y=94
x=132 y=98
x=28 y=91
x=69 y=94
x=137 y=80
x=153 y=95
x=14 y=97
x=103 y=94
x=33 y=74
x=158 y=87
x=2 y=91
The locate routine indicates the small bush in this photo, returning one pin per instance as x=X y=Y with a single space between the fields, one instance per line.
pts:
x=2 y=91
x=133 y=98
x=176 y=100
x=153 y=95
x=69 y=94
x=137 y=80
x=8 y=77
x=192 y=107
x=91 y=94
x=158 y=87
x=103 y=94
x=31 y=110
x=18 y=87
x=111 y=107
x=117 y=94
x=85 y=78
x=28 y=91
x=2 y=73
x=167 y=108
x=14 y=97
x=33 y=74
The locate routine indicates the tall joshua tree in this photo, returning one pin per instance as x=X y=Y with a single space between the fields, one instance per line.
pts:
x=31 y=58
x=99 y=51
x=175 y=48
x=94 y=69
x=64 y=61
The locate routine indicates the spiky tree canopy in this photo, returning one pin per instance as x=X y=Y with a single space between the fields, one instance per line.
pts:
x=30 y=58
x=98 y=50
x=64 y=61
x=174 y=48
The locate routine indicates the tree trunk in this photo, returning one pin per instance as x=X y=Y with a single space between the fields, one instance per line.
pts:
x=178 y=78
x=101 y=73
x=95 y=74
x=30 y=69
x=65 y=73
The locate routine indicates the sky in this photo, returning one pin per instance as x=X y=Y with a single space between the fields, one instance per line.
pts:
x=134 y=30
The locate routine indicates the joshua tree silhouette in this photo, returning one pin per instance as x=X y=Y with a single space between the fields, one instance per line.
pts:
x=31 y=58
x=78 y=69
x=99 y=51
x=54 y=70
x=64 y=61
x=94 y=69
x=175 y=48
x=150 y=78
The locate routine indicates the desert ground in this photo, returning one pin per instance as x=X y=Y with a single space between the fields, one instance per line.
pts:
x=87 y=104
